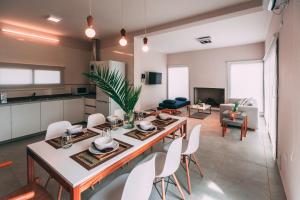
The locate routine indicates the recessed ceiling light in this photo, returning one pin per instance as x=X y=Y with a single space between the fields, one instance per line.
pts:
x=53 y=19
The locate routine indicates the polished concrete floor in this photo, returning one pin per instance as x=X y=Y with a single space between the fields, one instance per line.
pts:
x=234 y=170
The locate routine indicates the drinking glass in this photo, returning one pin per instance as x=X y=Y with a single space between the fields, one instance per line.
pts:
x=66 y=141
x=107 y=132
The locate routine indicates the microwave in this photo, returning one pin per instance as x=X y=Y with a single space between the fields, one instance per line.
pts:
x=82 y=90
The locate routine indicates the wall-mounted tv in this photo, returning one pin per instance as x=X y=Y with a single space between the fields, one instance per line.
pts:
x=154 y=78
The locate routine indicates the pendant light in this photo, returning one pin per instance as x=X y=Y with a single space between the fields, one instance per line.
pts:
x=145 y=47
x=123 y=40
x=90 y=31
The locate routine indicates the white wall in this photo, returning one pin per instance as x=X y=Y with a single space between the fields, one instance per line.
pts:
x=208 y=68
x=289 y=97
x=149 y=61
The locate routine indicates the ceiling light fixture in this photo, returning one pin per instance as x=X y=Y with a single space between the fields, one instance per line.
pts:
x=145 y=47
x=52 y=18
x=90 y=31
x=30 y=35
x=123 y=40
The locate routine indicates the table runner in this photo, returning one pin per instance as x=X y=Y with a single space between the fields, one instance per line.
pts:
x=56 y=142
x=163 y=123
x=136 y=134
x=90 y=161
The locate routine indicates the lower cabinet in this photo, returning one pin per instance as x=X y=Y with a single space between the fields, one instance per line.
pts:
x=26 y=119
x=74 y=110
x=51 y=111
x=5 y=123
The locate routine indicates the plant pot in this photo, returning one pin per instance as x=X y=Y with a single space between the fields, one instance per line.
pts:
x=128 y=120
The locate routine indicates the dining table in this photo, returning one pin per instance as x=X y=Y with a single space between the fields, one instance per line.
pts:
x=76 y=177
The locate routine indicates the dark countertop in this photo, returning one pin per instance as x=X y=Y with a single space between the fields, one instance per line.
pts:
x=36 y=99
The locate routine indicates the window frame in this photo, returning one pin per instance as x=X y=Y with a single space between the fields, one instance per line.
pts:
x=33 y=67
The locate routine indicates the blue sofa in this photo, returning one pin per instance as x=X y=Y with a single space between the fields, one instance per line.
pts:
x=179 y=102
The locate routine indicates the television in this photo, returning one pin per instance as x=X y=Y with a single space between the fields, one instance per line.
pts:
x=154 y=78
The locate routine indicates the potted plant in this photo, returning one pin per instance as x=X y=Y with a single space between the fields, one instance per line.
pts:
x=117 y=87
x=234 y=110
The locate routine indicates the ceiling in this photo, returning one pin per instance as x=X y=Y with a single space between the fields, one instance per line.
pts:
x=107 y=14
x=240 y=30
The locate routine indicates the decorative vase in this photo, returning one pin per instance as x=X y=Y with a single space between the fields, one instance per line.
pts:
x=129 y=120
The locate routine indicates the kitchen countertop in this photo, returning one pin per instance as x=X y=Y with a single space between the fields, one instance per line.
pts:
x=37 y=99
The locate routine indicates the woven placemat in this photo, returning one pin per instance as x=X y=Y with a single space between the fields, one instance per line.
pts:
x=90 y=161
x=56 y=142
x=136 y=134
x=163 y=123
x=107 y=125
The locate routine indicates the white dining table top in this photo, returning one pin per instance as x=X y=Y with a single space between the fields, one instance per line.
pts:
x=73 y=172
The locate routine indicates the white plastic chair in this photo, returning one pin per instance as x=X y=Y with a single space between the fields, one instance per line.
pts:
x=166 y=164
x=57 y=129
x=95 y=119
x=119 y=113
x=189 y=147
x=134 y=186
x=54 y=130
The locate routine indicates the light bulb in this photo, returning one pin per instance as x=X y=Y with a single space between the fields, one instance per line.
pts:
x=145 y=48
x=123 y=41
x=90 y=32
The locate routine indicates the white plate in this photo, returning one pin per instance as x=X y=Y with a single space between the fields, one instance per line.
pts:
x=146 y=131
x=96 y=152
x=163 y=120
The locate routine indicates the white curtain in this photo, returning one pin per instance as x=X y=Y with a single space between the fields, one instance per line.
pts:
x=270 y=88
x=178 y=82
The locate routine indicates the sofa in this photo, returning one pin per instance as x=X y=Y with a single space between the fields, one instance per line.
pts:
x=248 y=105
x=179 y=102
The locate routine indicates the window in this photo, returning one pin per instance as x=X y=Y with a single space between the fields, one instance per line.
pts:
x=46 y=77
x=178 y=82
x=10 y=76
x=19 y=74
x=246 y=80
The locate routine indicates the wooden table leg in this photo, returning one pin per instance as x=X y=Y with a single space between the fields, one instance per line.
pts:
x=75 y=194
x=185 y=130
x=30 y=169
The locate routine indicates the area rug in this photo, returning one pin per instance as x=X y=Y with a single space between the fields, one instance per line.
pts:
x=197 y=115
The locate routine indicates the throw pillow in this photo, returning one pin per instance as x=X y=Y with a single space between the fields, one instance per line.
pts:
x=181 y=99
x=169 y=101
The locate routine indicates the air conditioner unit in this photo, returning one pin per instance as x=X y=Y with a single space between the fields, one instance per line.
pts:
x=271 y=5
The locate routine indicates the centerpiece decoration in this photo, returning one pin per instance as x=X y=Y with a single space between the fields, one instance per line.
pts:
x=117 y=87
x=233 y=114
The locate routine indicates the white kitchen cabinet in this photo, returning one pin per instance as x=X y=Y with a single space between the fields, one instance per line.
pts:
x=51 y=111
x=74 y=110
x=26 y=119
x=5 y=123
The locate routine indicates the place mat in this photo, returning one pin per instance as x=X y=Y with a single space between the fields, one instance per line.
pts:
x=56 y=142
x=90 y=161
x=107 y=125
x=136 y=134
x=163 y=123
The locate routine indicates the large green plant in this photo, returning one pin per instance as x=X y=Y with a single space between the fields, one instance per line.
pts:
x=114 y=84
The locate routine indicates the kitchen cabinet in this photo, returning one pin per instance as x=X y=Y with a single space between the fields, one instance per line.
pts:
x=51 y=111
x=74 y=110
x=26 y=119
x=5 y=123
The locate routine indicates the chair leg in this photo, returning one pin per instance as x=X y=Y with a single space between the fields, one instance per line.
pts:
x=198 y=165
x=59 y=193
x=47 y=182
x=163 y=189
x=178 y=186
x=188 y=174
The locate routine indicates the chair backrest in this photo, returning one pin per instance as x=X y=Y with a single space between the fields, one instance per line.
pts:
x=95 y=119
x=173 y=158
x=119 y=113
x=57 y=129
x=194 y=141
x=139 y=183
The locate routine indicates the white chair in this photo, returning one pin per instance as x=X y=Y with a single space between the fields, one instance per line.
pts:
x=189 y=147
x=119 y=113
x=166 y=164
x=57 y=129
x=95 y=119
x=54 y=130
x=134 y=186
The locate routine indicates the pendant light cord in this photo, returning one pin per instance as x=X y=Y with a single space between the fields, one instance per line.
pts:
x=90 y=6
x=122 y=12
x=145 y=16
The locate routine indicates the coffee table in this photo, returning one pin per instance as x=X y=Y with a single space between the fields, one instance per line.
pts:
x=241 y=120
x=200 y=108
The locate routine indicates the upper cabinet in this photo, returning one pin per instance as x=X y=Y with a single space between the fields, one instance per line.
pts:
x=74 y=110
x=5 y=123
x=51 y=111
x=26 y=119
